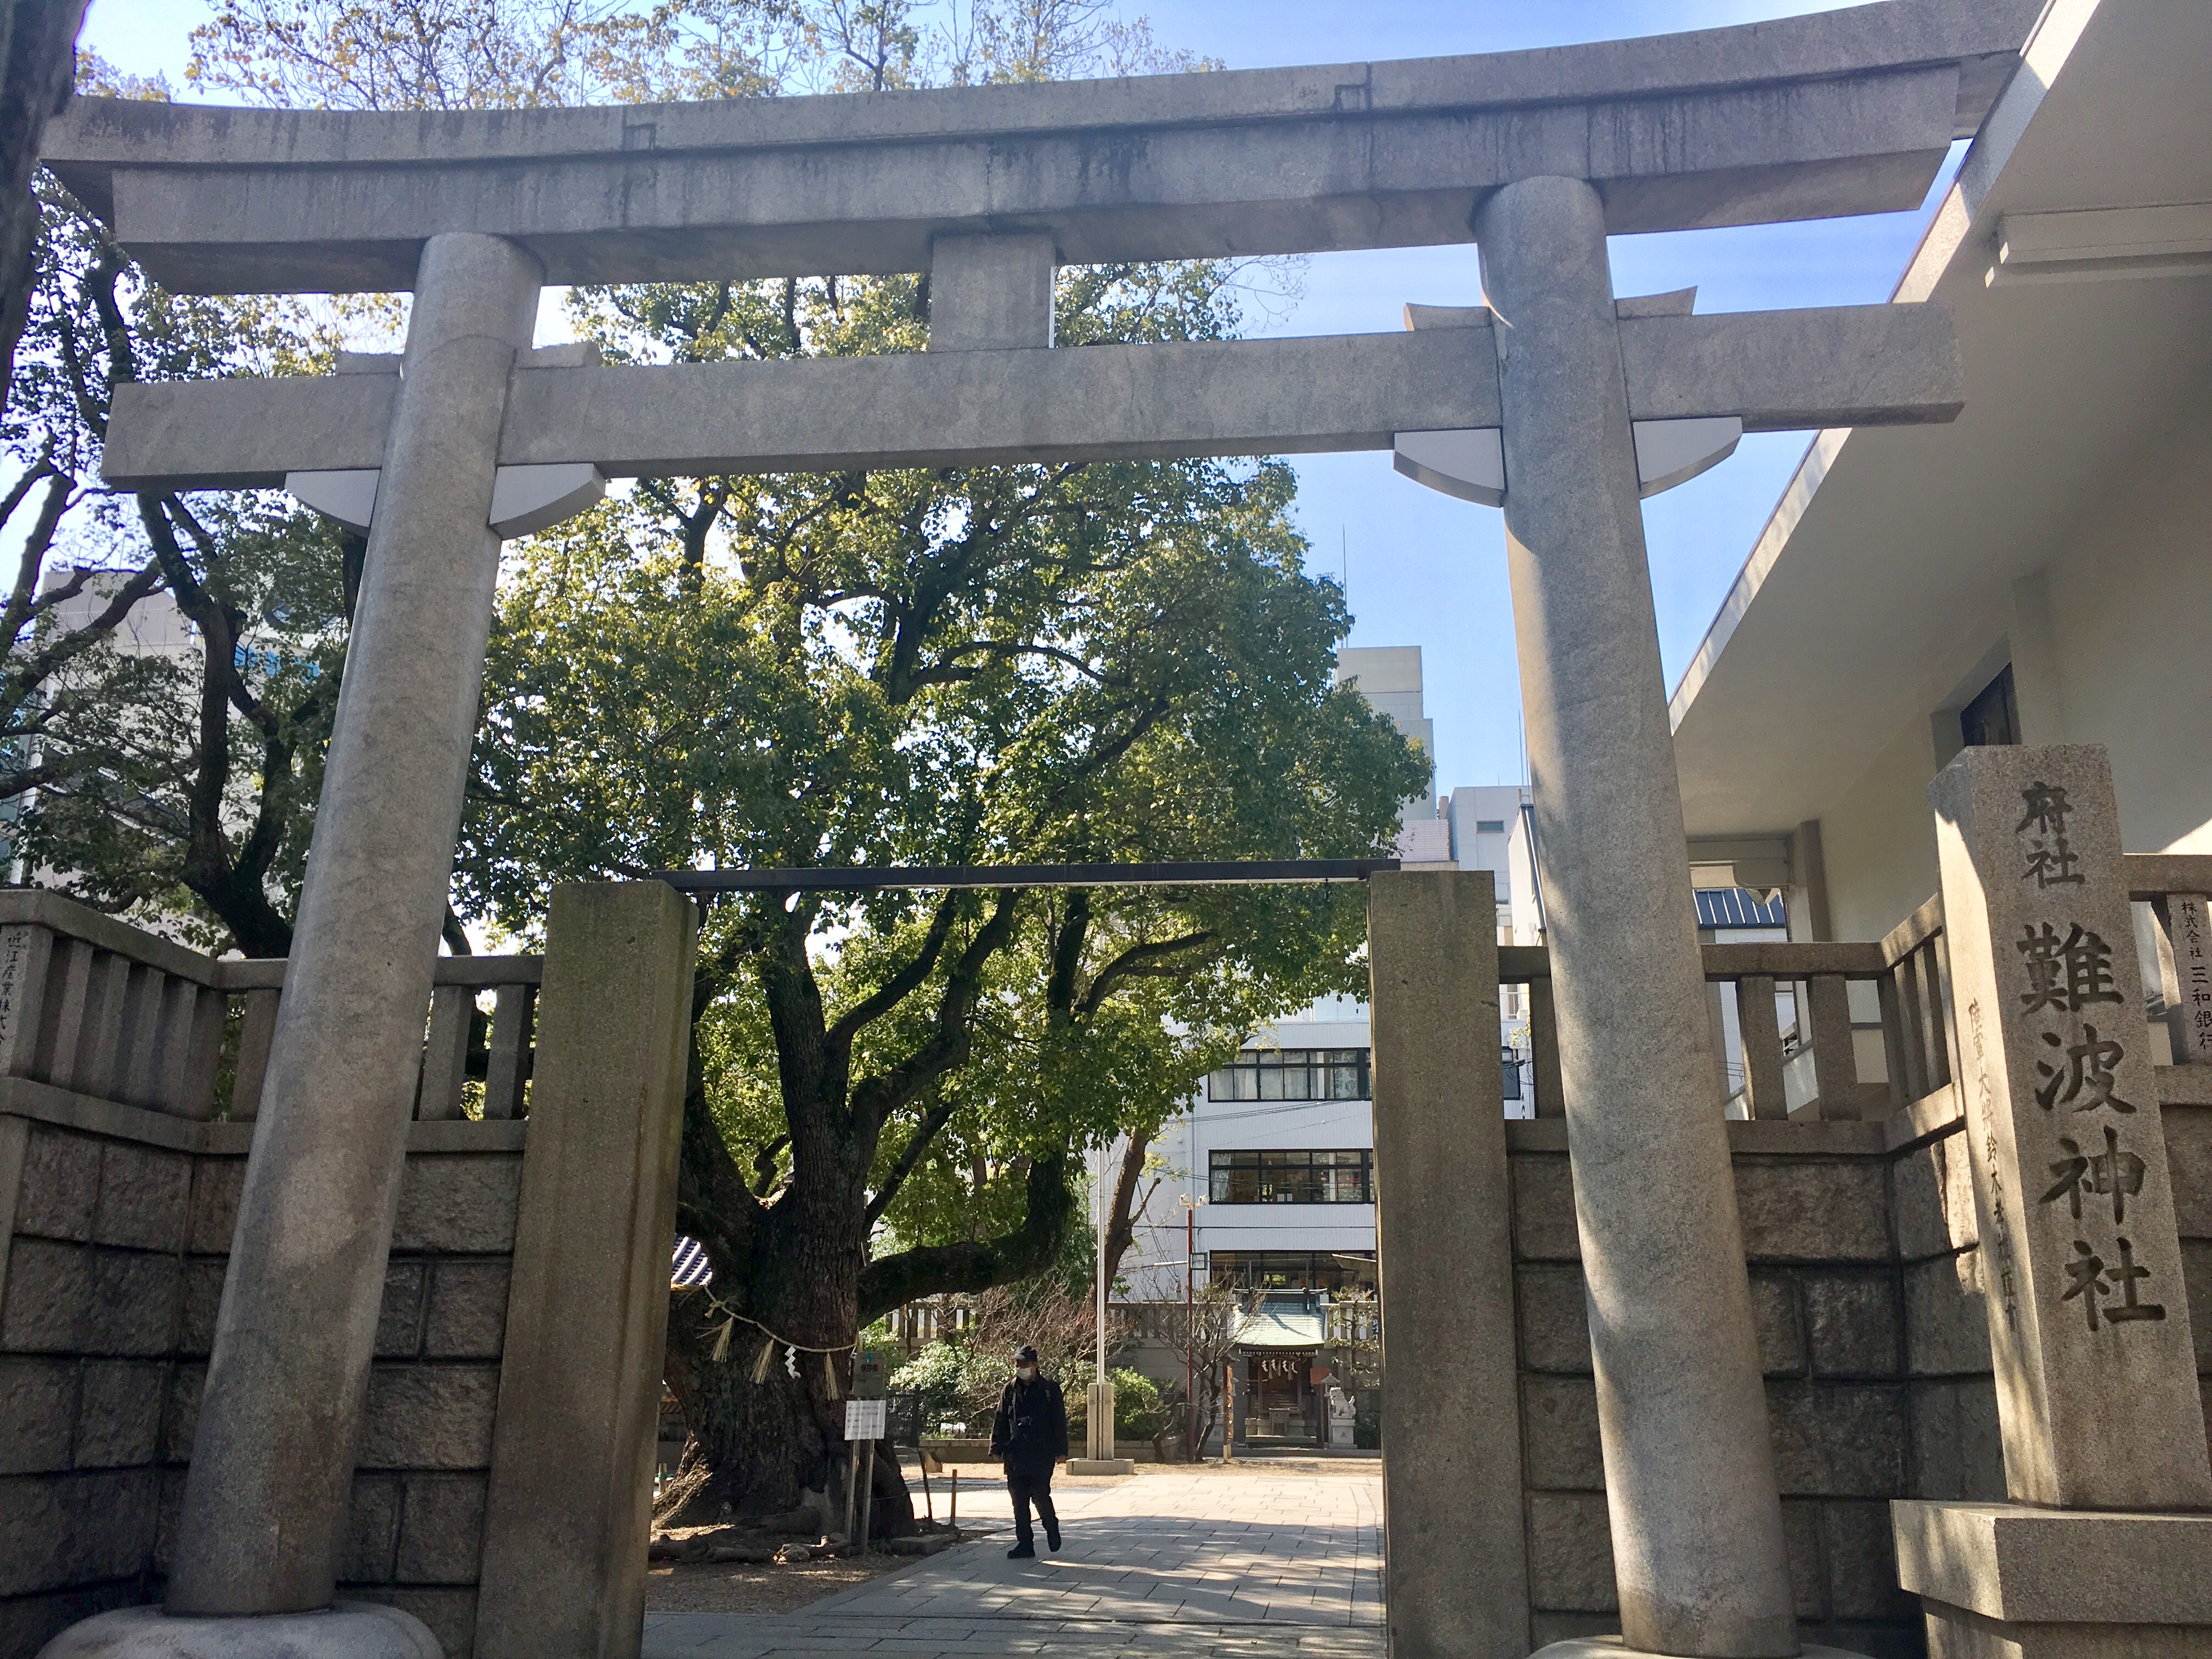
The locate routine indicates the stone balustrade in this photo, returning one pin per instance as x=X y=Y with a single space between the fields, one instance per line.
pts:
x=99 y=1009
x=128 y=1068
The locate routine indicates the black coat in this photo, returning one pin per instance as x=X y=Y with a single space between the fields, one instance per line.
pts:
x=1030 y=1429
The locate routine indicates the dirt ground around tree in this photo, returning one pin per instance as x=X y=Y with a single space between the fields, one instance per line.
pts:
x=738 y=1587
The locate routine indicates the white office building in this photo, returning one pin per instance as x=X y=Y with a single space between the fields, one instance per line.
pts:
x=1270 y=1185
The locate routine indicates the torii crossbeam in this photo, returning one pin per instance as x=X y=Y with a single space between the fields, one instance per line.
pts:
x=1557 y=401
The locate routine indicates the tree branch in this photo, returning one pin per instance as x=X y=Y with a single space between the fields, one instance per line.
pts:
x=909 y=1158
x=1137 y=961
x=935 y=1269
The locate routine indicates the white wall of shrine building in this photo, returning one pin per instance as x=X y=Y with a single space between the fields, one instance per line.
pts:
x=2038 y=572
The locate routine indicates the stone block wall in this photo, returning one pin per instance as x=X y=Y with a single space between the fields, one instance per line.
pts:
x=115 y=1225
x=1865 y=1282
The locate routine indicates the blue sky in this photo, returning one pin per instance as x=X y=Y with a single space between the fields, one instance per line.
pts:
x=1424 y=569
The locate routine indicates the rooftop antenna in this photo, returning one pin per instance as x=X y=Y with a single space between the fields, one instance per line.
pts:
x=1344 y=563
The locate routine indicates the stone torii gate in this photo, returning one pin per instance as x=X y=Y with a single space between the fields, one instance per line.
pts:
x=1557 y=401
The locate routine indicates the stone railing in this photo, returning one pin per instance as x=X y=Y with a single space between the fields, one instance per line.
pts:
x=1814 y=1068
x=507 y=1317
x=93 y=1006
x=1819 y=1063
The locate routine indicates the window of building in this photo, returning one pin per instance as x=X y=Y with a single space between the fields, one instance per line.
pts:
x=1302 y=1177
x=1292 y=1074
x=1510 y=1072
x=1335 y=1271
x=1993 y=717
x=1490 y=826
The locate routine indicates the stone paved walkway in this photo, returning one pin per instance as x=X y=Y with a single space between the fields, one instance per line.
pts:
x=1281 y=1558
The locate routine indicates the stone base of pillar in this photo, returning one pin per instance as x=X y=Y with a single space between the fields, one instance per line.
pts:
x=1612 y=1647
x=1101 y=1466
x=349 y=1630
x=2009 y=1581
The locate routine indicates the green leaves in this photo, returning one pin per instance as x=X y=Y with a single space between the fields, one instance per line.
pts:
x=1114 y=663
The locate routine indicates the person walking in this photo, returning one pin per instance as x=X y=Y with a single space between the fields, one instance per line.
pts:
x=1029 y=1435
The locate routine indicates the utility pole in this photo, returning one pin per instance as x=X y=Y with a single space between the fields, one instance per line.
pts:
x=1190 y=1327
x=1102 y=1432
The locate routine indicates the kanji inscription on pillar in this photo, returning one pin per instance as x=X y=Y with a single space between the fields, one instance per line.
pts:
x=2191 y=930
x=2097 y=1389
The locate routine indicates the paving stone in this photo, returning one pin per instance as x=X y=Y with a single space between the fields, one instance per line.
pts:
x=399 y=1318
x=1570 y=1553
x=60 y=1184
x=181 y=1413
x=1801 y=1542
x=144 y=1194
x=1544 y=1209
x=1185 y=1563
x=213 y=1219
x=1838 y=1439
x=1859 y=1552
x=1829 y=1210
x=1947 y=1327
x=169 y=1511
x=61 y=1531
x=1852 y=1324
x=203 y=1305
x=2197 y=1278
x=1775 y=1320
x=1957 y=1450
x=2188 y=1167
x=136 y=1299
x=372 y=1536
x=467 y=1315
x=440 y=1529
x=1560 y=1449
x=37 y=1398
x=119 y=1413
x=462 y=1204
x=1932 y=1188
x=48 y=1285
x=429 y=1417
x=1553 y=1316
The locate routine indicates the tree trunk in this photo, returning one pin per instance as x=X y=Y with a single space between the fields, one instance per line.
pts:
x=38 y=61
x=767 y=1447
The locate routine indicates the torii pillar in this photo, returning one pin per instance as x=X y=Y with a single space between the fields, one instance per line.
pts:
x=1697 y=1523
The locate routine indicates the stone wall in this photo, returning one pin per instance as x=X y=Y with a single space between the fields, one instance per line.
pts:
x=115 y=1224
x=1865 y=1280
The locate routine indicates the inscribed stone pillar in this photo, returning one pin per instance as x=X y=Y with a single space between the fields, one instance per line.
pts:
x=266 y=1503
x=2190 y=1019
x=1696 y=1522
x=1455 y=1552
x=2097 y=1393
x=571 y=1492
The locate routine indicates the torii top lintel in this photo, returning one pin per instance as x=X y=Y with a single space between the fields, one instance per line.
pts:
x=1840 y=113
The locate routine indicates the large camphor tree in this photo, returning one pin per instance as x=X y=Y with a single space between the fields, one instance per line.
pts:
x=1125 y=663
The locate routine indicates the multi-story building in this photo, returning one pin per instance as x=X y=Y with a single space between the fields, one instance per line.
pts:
x=153 y=627
x=1270 y=1181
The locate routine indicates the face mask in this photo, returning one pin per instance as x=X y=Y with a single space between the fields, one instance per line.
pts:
x=1027 y=1373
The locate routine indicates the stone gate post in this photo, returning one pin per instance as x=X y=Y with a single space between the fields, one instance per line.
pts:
x=2096 y=1374
x=1689 y=1471
x=1455 y=1552
x=570 y=1501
